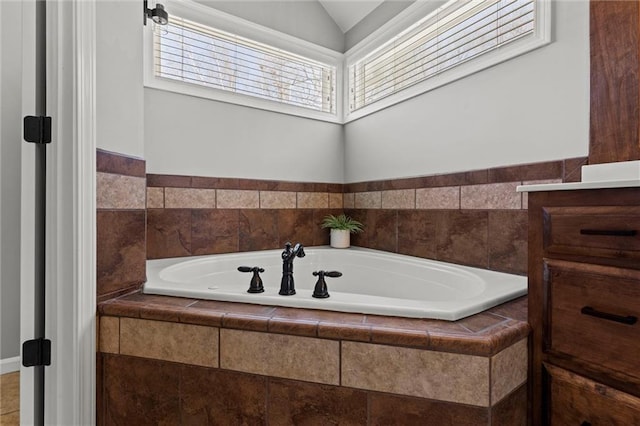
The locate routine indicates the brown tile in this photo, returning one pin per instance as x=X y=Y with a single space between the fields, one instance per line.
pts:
x=508 y=370
x=364 y=186
x=10 y=419
x=298 y=327
x=426 y=374
x=336 y=188
x=405 y=183
x=246 y=322
x=175 y=181
x=189 y=198
x=515 y=309
x=109 y=336
x=296 y=403
x=237 y=199
x=157 y=300
x=349 y=201
x=119 y=309
x=295 y=226
x=295 y=314
x=214 y=182
x=313 y=200
x=462 y=238
x=112 y=162
x=214 y=231
x=444 y=197
x=491 y=196
x=186 y=343
x=155 y=198
x=368 y=200
x=481 y=322
x=321 y=235
x=141 y=391
x=380 y=229
x=508 y=236
x=533 y=171
x=572 y=170
x=388 y=410
x=121 y=258
x=340 y=331
x=512 y=410
x=231 y=307
x=463 y=343
x=399 y=199
x=214 y=397
x=10 y=392
x=335 y=200
x=120 y=192
x=277 y=200
x=166 y=313
x=280 y=355
x=201 y=317
x=258 y=230
x=119 y=292
x=328 y=324
x=474 y=177
x=400 y=337
x=168 y=233
x=417 y=232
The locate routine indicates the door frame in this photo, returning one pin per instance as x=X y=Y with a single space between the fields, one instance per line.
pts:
x=70 y=381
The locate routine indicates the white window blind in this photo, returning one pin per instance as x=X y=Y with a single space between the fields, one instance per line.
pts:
x=454 y=34
x=201 y=55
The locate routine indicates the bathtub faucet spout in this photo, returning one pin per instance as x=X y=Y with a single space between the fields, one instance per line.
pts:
x=287 y=286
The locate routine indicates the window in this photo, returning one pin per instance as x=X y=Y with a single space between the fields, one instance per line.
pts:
x=453 y=35
x=206 y=53
x=198 y=54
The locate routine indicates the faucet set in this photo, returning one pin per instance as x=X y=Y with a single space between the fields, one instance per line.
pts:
x=287 y=284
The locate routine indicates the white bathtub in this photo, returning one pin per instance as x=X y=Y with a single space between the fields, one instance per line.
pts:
x=373 y=282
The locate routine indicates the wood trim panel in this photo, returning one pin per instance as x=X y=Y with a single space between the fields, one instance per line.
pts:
x=615 y=75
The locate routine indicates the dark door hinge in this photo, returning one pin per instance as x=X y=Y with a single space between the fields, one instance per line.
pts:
x=36 y=352
x=37 y=129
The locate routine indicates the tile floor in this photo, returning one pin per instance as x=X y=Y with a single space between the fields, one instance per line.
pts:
x=10 y=399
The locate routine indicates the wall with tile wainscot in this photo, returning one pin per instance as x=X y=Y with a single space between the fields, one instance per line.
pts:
x=120 y=220
x=191 y=215
x=473 y=218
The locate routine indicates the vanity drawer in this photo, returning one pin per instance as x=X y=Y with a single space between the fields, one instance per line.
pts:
x=576 y=400
x=609 y=232
x=593 y=313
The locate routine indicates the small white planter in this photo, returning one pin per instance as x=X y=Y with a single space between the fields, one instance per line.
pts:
x=340 y=238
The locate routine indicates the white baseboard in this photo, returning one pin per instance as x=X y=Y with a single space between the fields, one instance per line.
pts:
x=9 y=365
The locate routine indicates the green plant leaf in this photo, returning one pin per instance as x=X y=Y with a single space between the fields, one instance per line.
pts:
x=342 y=222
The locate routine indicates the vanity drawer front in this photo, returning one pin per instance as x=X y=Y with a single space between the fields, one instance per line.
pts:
x=609 y=232
x=576 y=400
x=593 y=314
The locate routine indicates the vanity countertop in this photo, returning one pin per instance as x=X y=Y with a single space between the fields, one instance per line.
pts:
x=623 y=174
x=579 y=185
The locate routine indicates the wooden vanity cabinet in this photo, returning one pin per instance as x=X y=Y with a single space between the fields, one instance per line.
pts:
x=584 y=307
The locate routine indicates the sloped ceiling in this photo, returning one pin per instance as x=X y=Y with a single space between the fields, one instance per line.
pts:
x=347 y=13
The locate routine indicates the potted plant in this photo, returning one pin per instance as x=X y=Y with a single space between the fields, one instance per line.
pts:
x=342 y=226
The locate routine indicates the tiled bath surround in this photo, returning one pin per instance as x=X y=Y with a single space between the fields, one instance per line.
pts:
x=166 y=351
x=120 y=220
x=474 y=218
x=184 y=361
x=194 y=216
